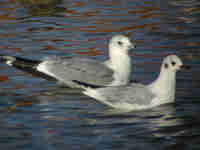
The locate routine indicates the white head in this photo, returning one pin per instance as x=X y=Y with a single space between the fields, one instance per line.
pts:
x=164 y=86
x=120 y=44
x=172 y=63
x=120 y=61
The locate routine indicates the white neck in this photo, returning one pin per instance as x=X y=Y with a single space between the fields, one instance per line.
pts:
x=164 y=86
x=121 y=64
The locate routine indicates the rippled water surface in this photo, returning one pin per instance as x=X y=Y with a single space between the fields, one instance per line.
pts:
x=37 y=114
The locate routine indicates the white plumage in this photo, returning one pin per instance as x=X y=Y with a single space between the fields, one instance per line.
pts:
x=138 y=96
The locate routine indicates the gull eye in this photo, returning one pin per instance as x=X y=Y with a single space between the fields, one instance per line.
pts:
x=119 y=42
x=166 y=66
x=173 y=63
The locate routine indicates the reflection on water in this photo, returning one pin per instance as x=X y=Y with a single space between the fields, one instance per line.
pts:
x=36 y=114
x=43 y=7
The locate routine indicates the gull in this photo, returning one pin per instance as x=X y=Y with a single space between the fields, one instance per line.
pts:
x=135 y=96
x=114 y=71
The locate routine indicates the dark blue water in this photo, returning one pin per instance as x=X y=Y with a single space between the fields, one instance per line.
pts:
x=37 y=114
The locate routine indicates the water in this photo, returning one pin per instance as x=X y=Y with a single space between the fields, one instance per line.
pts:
x=36 y=114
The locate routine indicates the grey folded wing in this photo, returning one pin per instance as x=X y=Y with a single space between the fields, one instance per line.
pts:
x=133 y=94
x=81 y=69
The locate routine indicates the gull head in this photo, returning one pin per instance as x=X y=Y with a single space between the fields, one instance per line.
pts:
x=120 y=44
x=172 y=63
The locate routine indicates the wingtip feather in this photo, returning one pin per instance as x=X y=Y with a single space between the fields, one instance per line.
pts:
x=7 y=59
x=86 y=85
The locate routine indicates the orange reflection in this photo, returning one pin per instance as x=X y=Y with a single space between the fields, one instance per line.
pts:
x=19 y=86
x=3 y=78
x=48 y=47
x=3 y=3
x=72 y=12
x=9 y=9
x=192 y=43
x=80 y=4
x=7 y=17
x=152 y=25
x=91 y=52
x=192 y=9
x=8 y=35
x=161 y=46
x=144 y=10
x=21 y=104
x=149 y=15
x=12 y=108
x=12 y=1
x=92 y=13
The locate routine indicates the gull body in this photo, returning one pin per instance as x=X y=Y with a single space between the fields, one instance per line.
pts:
x=138 y=96
x=114 y=71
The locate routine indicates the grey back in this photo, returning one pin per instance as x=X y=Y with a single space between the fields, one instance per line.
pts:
x=131 y=94
x=78 y=68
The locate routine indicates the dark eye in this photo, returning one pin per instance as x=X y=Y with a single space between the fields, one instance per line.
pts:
x=119 y=42
x=173 y=63
x=166 y=66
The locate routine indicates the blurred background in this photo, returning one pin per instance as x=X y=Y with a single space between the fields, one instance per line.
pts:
x=37 y=114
